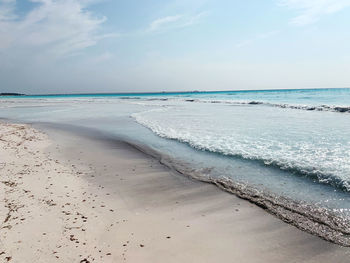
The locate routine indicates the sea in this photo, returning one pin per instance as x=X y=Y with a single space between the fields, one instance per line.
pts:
x=287 y=151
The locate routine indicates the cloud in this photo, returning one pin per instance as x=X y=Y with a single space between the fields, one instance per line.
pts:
x=158 y=23
x=172 y=22
x=6 y=9
x=53 y=28
x=310 y=11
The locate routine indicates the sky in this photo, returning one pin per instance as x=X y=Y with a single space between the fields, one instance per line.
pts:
x=97 y=46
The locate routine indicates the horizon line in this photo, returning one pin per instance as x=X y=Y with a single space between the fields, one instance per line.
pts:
x=166 y=92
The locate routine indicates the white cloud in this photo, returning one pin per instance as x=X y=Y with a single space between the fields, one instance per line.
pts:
x=172 y=22
x=158 y=23
x=310 y=11
x=54 y=27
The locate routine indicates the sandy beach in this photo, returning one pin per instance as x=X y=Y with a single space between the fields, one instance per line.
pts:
x=174 y=131
x=65 y=197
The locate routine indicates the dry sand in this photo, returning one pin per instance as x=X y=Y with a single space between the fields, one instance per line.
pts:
x=68 y=198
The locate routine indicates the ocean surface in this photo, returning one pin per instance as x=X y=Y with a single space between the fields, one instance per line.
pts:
x=288 y=151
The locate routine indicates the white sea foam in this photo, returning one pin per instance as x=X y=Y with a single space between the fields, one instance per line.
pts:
x=312 y=143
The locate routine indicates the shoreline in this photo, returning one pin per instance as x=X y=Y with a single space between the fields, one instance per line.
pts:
x=313 y=219
x=158 y=215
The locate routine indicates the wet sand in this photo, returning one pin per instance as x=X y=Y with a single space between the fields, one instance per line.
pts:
x=72 y=198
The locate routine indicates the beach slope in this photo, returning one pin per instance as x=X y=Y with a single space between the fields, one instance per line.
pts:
x=65 y=197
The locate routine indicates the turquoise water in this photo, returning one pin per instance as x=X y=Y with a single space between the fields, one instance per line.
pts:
x=338 y=96
x=290 y=143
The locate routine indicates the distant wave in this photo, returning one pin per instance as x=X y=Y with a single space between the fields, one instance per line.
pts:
x=341 y=109
x=326 y=108
x=323 y=107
